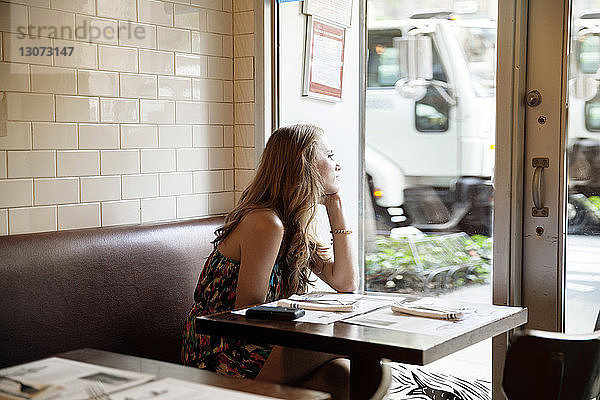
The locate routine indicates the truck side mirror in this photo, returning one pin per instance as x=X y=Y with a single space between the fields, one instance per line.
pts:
x=415 y=61
x=586 y=65
x=415 y=57
x=585 y=86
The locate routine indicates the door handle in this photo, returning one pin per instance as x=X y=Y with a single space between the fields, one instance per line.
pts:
x=537 y=187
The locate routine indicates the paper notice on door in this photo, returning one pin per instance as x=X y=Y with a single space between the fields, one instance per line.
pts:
x=324 y=63
x=338 y=11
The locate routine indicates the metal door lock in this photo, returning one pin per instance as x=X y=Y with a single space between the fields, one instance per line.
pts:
x=533 y=98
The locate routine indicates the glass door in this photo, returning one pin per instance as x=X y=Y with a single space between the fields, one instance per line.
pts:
x=561 y=270
x=583 y=170
x=429 y=155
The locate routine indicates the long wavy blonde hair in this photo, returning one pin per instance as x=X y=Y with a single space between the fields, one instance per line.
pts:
x=287 y=181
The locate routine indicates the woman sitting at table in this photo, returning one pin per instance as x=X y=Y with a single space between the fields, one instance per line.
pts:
x=265 y=251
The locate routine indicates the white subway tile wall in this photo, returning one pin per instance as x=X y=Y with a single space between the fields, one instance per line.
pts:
x=140 y=186
x=2 y=164
x=99 y=83
x=99 y=136
x=175 y=183
x=124 y=111
x=31 y=164
x=18 y=136
x=32 y=219
x=242 y=91
x=77 y=216
x=100 y=188
x=120 y=212
x=77 y=163
x=192 y=206
x=80 y=6
x=53 y=80
x=159 y=209
x=16 y=192
x=55 y=191
x=3 y=222
x=54 y=135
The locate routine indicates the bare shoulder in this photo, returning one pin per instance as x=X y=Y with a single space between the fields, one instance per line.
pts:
x=262 y=221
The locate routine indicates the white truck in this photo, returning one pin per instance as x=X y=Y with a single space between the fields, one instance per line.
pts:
x=430 y=122
x=584 y=124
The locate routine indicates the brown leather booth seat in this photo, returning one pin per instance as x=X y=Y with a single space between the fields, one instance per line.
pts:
x=123 y=289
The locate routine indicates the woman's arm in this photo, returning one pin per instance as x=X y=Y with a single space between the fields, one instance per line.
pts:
x=260 y=236
x=341 y=273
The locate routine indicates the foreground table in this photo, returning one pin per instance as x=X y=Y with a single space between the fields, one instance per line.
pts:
x=164 y=370
x=365 y=346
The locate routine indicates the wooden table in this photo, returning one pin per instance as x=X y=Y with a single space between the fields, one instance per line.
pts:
x=164 y=370
x=364 y=346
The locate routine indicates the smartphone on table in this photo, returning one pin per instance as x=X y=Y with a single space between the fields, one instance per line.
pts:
x=274 y=313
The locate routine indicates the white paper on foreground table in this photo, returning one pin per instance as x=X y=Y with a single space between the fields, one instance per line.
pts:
x=72 y=376
x=175 y=389
x=480 y=314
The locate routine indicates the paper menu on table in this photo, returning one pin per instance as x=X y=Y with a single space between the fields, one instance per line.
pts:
x=329 y=298
x=322 y=302
x=69 y=379
x=362 y=304
x=175 y=389
x=387 y=319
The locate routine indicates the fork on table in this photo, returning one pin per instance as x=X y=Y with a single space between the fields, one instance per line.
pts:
x=97 y=392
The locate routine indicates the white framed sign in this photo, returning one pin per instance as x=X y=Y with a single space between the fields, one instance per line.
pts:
x=324 y=59
x=338 y=11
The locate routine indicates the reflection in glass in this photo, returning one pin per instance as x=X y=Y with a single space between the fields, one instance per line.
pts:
x=422 y=184
x=429 y=154
x=583 y=163
x=382 y=67
x=589 y=52
x=592 y=114
x=432 y=112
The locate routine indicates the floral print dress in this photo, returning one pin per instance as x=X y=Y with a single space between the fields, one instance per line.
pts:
x=215 y=292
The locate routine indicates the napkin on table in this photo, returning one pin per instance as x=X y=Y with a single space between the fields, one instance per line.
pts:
x=429 y=311
x=317 y=305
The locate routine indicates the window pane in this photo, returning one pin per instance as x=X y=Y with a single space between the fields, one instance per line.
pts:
x=432 y=112
x=383 y=68
x=589 y=59
x=583 y=157
x=429 y=155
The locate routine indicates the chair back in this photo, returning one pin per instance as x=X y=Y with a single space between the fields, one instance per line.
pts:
x=552 y=366
x=383 y=390
x=125 y=289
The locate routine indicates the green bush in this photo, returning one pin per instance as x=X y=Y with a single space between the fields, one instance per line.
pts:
x=595 y=203
x=431 y=264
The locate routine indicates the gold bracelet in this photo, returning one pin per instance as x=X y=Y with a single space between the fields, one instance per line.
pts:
x=342 y=231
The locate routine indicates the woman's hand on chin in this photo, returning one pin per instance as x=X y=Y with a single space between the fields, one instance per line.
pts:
x=329 y=199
